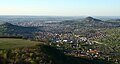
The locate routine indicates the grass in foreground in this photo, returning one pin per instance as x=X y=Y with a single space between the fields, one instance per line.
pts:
x=7 y=43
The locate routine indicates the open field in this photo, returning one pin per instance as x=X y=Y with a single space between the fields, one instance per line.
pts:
x=7 y=43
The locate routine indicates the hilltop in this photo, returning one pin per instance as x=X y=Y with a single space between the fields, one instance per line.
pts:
x=90 y=22
x=10 y=29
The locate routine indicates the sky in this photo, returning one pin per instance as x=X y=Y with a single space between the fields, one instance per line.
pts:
x=60 y=7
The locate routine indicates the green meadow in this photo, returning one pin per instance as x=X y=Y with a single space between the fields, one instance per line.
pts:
x=8 y=43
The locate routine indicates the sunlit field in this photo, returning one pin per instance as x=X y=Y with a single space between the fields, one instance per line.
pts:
x=6 y=43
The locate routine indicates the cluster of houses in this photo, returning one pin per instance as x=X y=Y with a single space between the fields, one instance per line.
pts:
x=91 y=53
x=58 y=38
x=72 y=41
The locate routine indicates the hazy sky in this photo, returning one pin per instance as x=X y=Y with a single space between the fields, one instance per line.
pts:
x=60 y=7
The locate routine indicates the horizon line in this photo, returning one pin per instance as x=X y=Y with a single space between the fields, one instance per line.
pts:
x=66 y=15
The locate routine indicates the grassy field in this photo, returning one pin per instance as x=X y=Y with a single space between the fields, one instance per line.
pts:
x=7 y=43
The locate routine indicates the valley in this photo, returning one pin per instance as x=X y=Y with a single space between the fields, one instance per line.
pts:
x=83 y=40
